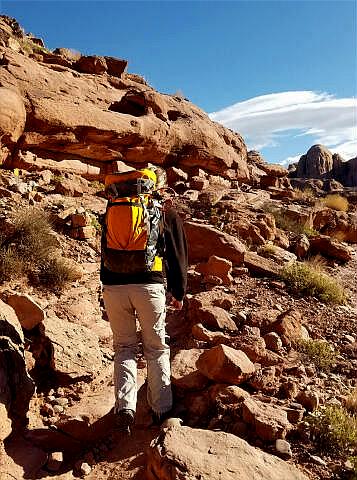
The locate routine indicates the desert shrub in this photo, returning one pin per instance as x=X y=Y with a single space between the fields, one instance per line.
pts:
x=320 y=353
x=305 y=195
x=306 y=280
x=11 y=265
x=267 y=249
x=33 y=236
x=336 y=202
x=288 y=224
x=318 y=262
x=351 y=402
x=31 y=250
x=333 y=428
x=56 y=272
x=28 y=46
x=98 y=186
x=95 y=223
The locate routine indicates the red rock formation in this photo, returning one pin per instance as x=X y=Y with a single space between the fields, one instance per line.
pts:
x=96 y=117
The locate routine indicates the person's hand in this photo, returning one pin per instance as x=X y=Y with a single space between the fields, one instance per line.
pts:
x=176 y=304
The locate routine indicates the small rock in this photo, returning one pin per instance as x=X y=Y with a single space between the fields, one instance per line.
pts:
x=283 y=448
x=295 y=416
x=62 y=401
x=349 y=338
x=83 y=468
x=240 y=271
x=318 y=460
x=241 y=316
x=333 y=402
x=58 y=409
x=273 y=342
x=308 y=399
x=171 y=422
x=54 y=461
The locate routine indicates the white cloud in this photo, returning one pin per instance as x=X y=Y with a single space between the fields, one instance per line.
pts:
x=265 y=120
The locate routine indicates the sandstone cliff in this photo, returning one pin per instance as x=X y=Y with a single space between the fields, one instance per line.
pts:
x=320 y=163
x=65 y=106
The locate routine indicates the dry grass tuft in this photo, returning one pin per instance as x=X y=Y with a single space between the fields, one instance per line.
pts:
x=351 y=402
x=336 y=202
x=305 y=195
x=334 y=428
x=31 y=250
x=304 y=279
x=56 y=272
x=319 y=352
x=288 y=224
x=318 y=262
x=267 y=249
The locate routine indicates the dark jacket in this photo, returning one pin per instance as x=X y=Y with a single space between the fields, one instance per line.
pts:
x=175 y=261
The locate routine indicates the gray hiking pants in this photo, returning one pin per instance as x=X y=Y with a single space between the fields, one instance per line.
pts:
x=123 y=304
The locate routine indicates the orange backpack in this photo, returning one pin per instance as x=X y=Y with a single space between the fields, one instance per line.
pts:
x=132 y=237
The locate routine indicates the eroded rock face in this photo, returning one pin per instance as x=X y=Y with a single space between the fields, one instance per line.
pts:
x=320 y=163
x=316 y=163
x=12 y=120
x=97 y=118
x=182 y=452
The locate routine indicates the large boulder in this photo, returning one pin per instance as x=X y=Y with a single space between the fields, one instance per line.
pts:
x=205 y=241
x=184 y=372
x=217 y=267
x=260 y=266
x=27 y=310
x=214 y=318
x=12 y=120
x=225 y=364
x=268 y=421
x=289 y=327
x=183 y=452
x=71 y=351
x=320 y=163
x=330 y=247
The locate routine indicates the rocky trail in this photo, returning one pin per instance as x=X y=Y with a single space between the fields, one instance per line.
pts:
x=264 y=352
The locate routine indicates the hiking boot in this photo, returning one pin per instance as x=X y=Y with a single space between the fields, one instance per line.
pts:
x=124 y=419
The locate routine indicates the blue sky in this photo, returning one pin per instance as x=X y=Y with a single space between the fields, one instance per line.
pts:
x=282 y=73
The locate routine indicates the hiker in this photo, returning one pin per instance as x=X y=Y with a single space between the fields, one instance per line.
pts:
x=133 y=285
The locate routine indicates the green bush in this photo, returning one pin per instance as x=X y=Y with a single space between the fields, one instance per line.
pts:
x=267 y=249
x=333 y=428
x=319 y=352
x=306 y=280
